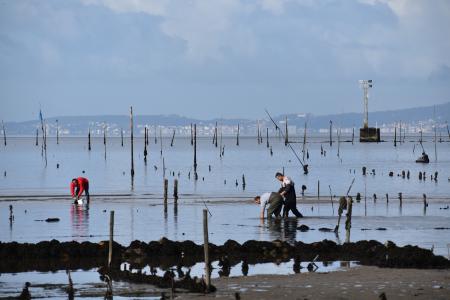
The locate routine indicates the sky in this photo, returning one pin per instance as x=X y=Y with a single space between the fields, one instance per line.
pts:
x=220 y=58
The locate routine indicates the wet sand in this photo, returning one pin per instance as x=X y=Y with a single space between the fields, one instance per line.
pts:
x=356 y=283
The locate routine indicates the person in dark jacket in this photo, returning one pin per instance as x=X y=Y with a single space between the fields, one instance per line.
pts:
x=287 y=191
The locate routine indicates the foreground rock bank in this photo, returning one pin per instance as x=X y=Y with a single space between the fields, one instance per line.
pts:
x=54 y=255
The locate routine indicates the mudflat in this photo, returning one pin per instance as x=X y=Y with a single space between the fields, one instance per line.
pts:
x=356 y=283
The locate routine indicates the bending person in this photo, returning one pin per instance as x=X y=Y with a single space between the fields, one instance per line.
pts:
x=275 y=202
x=77 y=186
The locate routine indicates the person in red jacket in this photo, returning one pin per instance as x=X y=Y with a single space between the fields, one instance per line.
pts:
x=77 y=186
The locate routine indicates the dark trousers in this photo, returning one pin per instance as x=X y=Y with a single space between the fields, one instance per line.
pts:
x=276 y=203
x=86 y=191
x=290 y=205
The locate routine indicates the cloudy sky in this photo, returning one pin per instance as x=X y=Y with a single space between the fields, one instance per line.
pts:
x=220 y=58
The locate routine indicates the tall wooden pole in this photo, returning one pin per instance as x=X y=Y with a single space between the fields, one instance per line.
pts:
x=216 y=135
x=304 y=143
x=173 y=138
x=348 y=222
x=195 y=152
x=206 y=249
x=145 y=145
x=121 y=136
x=237 y=136
x=89 y=139
x=111 y=237
x=395 y=135
x=192 y=136
x=132 y=142
x=160 y=140
x=37 y=137
x=57 y=132
x=286 y=137
x=267 y=137
x=331 y=133
x=104 y=138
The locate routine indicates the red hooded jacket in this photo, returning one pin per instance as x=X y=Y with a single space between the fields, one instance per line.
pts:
x=83 y=183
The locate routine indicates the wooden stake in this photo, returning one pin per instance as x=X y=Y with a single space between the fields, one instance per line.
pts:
x=267 y=137
x=395 y=135
x=331 y=133
x=89 y=139
x=304 y=143
x=318 y=189
x=111 y=237
x=104 y=138
x=173 y=138
x=132 y=141
x=258 y=133
x=175 y=190
x=37 y=137
x=348 y=222
x=166 y=188
x=145 y=145
x=237 y=136
x=215 y=135
x=57 y=132
x=192 y=137
x=206 y=249
x=121 y=135
x=195 y=152
x=286 y=137
x=160 y=140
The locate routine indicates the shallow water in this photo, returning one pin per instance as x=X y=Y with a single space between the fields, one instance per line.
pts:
x=144 y=219
x=37 y=192
x=88 y=283
x=26 y=172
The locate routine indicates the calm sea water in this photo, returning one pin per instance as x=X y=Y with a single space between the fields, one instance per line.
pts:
x=37 y=192
x=26 y=173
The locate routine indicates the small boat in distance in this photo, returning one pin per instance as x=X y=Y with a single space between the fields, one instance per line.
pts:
x=423 y=159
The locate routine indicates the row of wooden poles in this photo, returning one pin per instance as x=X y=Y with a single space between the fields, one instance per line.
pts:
x=402 y=134
x=205 y=245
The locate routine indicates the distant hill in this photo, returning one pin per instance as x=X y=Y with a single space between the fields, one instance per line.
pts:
x=79 y=125
x=410 y=115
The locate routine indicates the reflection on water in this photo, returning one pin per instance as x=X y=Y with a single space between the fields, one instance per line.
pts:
x=283 y=229
x=223 y=268
x=79 y=216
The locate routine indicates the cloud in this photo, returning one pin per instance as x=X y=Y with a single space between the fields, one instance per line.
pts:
x=151 y=7
x=208 y=28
